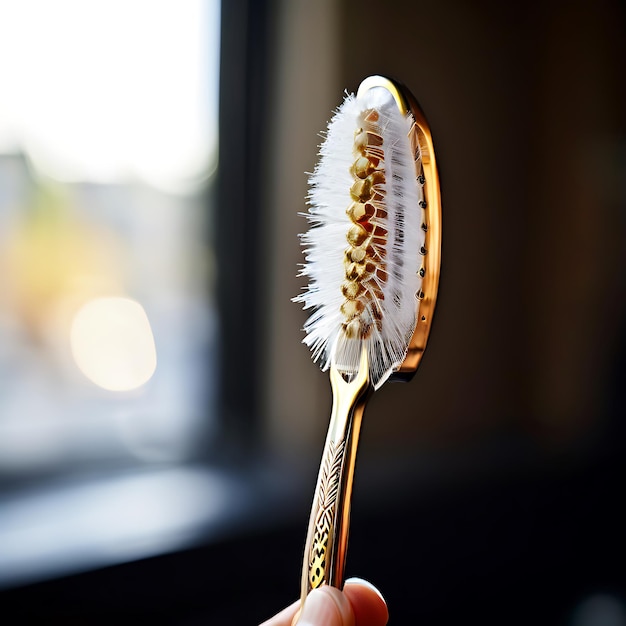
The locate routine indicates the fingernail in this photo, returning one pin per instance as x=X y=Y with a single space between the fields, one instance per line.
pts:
x=325 y=605
x=366 y=583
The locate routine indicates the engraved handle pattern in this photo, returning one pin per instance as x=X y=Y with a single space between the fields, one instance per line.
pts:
x=329 y=482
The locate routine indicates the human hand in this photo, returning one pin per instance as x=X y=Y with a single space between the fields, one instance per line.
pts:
x=359 y=604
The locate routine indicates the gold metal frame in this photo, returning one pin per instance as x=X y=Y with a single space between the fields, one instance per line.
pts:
x=327 y=538
x=422 y=141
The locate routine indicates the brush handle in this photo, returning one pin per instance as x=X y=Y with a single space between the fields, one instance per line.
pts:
x=327 y=538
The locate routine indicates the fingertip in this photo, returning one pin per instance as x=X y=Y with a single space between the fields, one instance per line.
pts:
x=366 y=583
x=368 y=603
x=328 y=606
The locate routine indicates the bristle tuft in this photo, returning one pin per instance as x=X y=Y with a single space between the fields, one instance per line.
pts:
x=362 y=248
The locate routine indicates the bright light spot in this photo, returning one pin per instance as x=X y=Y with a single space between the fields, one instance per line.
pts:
x=112 y=343
x=111 y=90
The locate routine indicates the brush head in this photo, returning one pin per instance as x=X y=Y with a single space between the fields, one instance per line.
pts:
x=365 y=248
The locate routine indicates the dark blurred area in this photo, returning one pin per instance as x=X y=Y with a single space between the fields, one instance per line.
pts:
x=489 y=489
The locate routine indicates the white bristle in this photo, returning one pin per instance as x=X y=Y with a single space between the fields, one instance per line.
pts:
x=389 y=320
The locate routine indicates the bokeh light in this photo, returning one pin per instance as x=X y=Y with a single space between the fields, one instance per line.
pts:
x=112 y=343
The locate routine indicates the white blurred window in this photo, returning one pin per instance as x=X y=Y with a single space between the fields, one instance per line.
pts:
x=108 y=143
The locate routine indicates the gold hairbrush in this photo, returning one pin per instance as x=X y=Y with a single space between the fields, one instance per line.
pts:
x=372 y=258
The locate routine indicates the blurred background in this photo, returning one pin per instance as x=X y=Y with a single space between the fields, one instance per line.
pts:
x=161 y=423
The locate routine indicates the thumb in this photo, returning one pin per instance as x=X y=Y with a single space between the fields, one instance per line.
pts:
x=326 y=606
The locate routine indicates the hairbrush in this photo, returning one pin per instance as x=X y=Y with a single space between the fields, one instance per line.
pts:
x=372 y=260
